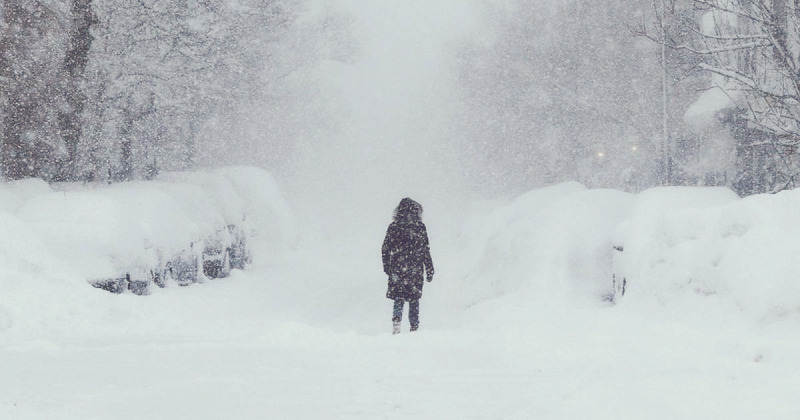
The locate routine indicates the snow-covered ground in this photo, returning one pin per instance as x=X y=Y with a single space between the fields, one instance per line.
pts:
x=516 y=324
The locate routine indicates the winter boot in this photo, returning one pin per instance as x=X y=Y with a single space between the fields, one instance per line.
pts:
x=414 y=328
x=396 y=327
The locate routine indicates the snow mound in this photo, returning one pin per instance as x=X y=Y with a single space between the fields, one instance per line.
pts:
x=550 y=242
x=674 y=246
x=129 y=236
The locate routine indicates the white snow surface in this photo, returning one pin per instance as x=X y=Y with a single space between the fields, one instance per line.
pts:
x=515 y=324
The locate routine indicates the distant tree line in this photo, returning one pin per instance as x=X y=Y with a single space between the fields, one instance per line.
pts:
x=609 y=93
x=119 y=89
x=604 y=92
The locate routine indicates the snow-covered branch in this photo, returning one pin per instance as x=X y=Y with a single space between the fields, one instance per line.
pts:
x=734 y=75
x=726 y=48
x=733 y=37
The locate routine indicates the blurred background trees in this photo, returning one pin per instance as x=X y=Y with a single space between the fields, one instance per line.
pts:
x=120 y=89
x=565 y=92
x=625 y=94
x=632 y=94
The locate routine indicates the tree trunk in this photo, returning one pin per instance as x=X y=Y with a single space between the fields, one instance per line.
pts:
x=75 y=62
x=779 y=23
x=14 y=159
x=125 y=170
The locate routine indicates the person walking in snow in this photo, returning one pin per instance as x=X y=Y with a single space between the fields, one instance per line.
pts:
x=406 y=259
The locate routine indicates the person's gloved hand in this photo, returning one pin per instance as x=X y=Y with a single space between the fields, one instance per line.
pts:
x=430 y=277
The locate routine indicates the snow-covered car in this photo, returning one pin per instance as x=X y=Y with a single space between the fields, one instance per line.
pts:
x=619 y=280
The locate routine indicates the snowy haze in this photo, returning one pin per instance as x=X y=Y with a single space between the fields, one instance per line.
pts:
x=391 y=104
x=522 y=320
x=452 y=101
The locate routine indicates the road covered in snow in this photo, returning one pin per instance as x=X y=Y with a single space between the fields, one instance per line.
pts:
x=234 y=348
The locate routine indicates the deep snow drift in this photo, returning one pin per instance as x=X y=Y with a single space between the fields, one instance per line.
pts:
x=518 y=322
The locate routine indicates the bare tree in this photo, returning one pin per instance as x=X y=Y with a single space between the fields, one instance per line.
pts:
x=752 y=47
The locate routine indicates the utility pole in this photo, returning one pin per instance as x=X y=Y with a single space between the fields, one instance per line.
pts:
x=666 y=148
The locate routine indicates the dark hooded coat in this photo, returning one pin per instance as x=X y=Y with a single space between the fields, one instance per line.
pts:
x=406 y=252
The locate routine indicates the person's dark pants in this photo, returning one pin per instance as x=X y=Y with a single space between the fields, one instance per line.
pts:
x=413 y=312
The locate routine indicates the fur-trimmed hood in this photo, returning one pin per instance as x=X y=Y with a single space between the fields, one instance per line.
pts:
x=408 y=211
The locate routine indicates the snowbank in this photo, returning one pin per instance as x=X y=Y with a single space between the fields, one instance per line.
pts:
x=551 y=242
x=181 y=228
x=673 y=246
x=540 y=335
